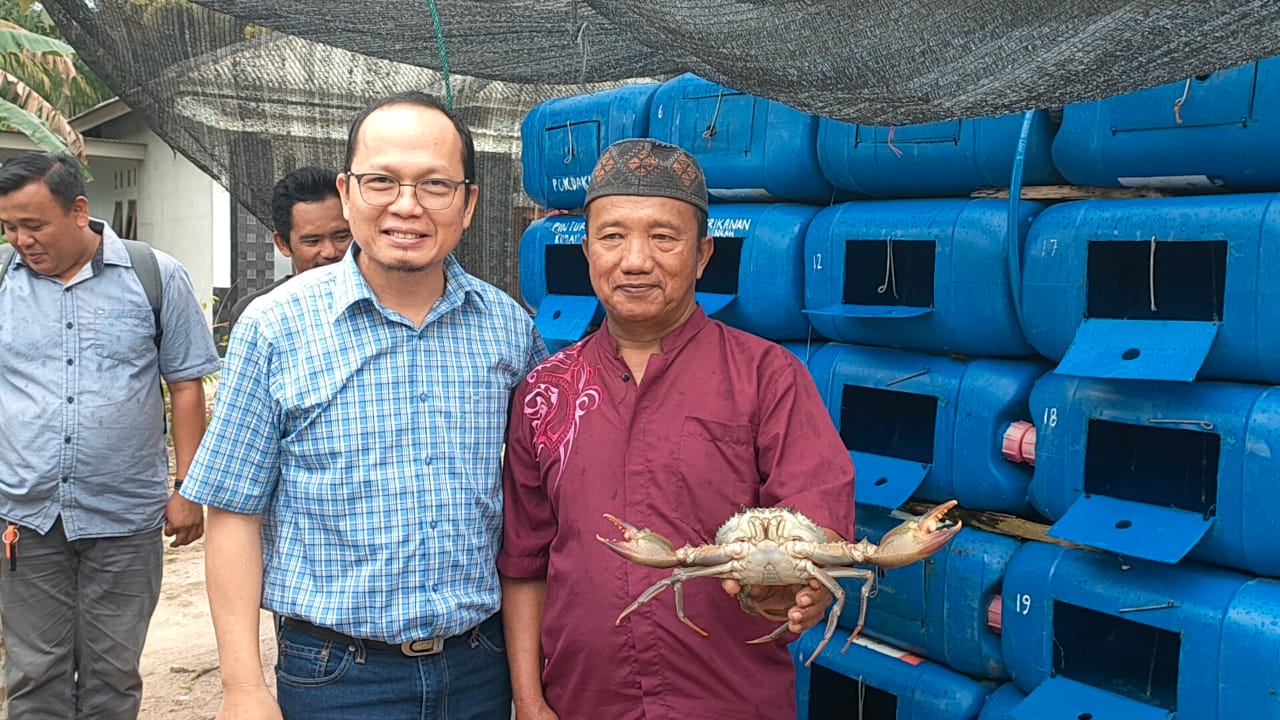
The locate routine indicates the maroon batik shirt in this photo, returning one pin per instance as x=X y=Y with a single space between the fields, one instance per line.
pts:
x=722 y=420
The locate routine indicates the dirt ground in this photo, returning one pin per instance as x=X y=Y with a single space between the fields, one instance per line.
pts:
x=180 y=678
x=180 y=660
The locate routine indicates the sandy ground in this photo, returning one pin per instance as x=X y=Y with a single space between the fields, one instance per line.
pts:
x=180 y=678
x=180 y=661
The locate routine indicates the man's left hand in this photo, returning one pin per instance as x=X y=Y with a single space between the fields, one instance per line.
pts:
x=800 y=606
x=183 y=521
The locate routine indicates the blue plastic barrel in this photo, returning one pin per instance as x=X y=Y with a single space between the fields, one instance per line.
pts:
x=1001 y=702
x=1158 y=289
x=561 y=140
x=554 y=280
x=873 y=680
x=753 y=281
x=1207 y=131
x=946 y=608
x=948 y=158
x=928 y=426
x=930 y=275
x=1160 y=470
x=750 y=148
x=1092 y=635
x=804 y=349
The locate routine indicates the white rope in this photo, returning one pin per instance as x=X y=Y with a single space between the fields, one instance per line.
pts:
x=1151 y=274
x=890 y=274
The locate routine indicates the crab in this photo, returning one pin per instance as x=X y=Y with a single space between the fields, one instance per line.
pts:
x=779 y=546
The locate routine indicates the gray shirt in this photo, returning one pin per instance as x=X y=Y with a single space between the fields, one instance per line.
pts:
x=81 y=417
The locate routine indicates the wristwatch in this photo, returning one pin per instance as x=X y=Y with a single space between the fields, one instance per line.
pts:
x=177 y=484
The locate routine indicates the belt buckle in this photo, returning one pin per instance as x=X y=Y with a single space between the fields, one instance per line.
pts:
x=422 y=648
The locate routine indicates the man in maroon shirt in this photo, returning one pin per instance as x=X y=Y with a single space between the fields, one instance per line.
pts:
x=674 y=422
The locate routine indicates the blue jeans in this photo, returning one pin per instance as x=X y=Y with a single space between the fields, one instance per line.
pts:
x=318 y=679
x=75 y=618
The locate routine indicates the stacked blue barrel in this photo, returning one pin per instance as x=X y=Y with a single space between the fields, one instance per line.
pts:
x=916 y=283
x=1103 y=366
x=1157 y=437
x=755 y=278
x=1142 y=458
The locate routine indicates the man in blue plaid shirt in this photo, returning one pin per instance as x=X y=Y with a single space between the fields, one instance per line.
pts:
x=352 y=466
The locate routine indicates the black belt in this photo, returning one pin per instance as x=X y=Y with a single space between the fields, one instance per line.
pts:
x=409 y=648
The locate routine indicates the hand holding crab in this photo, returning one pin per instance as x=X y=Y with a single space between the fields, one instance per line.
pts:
x=780 y=547
x=800 y=606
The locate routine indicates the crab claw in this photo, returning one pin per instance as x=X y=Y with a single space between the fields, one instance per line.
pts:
x=917 y=539
x=645 y=547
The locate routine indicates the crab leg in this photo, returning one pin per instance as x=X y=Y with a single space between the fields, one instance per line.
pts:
x=676 y=578
x=868 y=578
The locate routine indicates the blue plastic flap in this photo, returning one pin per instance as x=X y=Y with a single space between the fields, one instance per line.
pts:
x=1139 y=349
x=713 y=303
x=1163 y=534
x=871 y=311
x=565 y=317
x=885 y=481
x=1060 y=698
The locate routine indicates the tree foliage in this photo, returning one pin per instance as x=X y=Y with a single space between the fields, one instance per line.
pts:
x=42 y=83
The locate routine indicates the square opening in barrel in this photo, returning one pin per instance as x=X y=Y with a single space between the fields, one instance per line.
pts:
x=833 y=696
x=888 y=423
x=1117 y=655
x=1155 y=465
x=880 y=272
x=1179 y=281
x=567 y=272
x=721 y=274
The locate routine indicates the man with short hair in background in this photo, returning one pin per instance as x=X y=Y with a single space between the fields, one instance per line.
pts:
x=310 y=228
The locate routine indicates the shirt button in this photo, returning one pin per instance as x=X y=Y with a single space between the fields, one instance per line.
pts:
x=70 y=361
x=70 y=399
x=67 y=440
x=65 y=478
x=422 y=397
x=70 y=325
x=626 y=377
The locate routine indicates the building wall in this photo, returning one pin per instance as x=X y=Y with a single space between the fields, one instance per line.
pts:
x=178 y=207
x=114 y=186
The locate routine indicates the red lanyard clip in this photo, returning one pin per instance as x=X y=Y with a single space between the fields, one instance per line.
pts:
x=11 y=545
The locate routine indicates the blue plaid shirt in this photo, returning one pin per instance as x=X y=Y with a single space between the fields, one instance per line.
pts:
x=371 y=448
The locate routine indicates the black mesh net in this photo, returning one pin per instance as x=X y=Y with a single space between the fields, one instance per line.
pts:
x=250 y=89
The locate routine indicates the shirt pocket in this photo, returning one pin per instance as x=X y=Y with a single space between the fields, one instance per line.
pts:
x=123 y=334
x=716 y=463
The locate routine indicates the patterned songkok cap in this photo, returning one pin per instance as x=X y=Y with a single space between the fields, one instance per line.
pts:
x=649 y=168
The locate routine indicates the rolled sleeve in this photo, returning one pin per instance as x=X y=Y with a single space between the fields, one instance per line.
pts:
x=529 y=521
x=802 y=457
x=187 y=350
x=237 y=466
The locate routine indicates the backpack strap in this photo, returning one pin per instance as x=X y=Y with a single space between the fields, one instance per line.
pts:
x=6 y=254
x=147 y=268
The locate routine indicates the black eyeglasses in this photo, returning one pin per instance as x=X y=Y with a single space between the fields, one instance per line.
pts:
x=381 y=190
